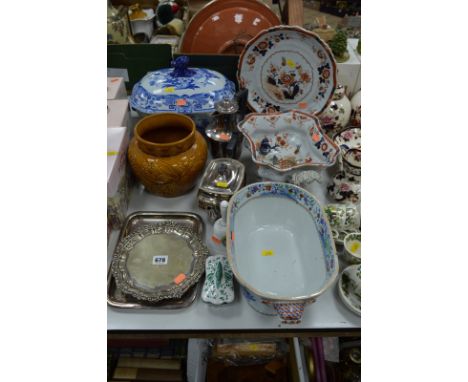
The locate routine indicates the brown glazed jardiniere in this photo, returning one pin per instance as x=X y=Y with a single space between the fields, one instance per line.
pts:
x=167 y=153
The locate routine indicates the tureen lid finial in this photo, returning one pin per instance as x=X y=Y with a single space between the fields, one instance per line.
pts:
x=180 y=65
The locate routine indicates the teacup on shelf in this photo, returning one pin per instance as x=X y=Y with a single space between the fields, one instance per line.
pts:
x=352 y=162
x=343 y=217
x=352 y=248
x=346 y=185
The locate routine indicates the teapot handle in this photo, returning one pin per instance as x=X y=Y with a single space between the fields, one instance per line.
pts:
x=290 y=313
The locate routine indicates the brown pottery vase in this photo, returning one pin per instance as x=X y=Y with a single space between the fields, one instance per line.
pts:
x=167 y=153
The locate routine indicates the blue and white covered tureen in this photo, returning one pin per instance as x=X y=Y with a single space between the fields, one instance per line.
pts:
x=180 y=89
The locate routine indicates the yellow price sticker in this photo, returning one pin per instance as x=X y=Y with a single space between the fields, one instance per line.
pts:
x=222 y=184
x=267 y=252
x=170 y=89
x=355 y=247
x=290 y=63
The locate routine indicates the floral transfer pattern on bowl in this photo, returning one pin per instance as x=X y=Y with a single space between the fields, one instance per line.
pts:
x=352 y=162
x=181 y=89
x=349 y=288
x=285 y=68
x=299 y=196
x=343 y=217
x=348 y=139
x=345 y=188
x=291 y=313
x=289 y=293
x=287 y=141
x=352 y=247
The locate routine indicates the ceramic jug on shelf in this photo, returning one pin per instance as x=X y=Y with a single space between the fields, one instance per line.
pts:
x=337 y=114
x=356 y=109
x=118 y=27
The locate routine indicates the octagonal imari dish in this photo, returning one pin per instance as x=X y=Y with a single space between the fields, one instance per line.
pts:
x=288 y=141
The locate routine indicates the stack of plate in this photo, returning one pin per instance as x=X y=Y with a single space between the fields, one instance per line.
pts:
x=158 y=261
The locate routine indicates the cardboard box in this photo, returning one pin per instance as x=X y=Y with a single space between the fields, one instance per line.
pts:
x=349 y=71
x=117 y=144
x=116 y=88
x=117 y=176
x=118 y=113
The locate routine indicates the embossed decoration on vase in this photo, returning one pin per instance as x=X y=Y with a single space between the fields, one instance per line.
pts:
x=167 y=154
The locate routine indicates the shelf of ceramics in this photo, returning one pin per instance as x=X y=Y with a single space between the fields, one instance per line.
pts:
x=328 y=314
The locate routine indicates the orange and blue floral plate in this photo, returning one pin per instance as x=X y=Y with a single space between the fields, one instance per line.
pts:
x=288 y=141
x=286 y=68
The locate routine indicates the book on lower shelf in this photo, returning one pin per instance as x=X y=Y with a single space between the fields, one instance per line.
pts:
x=150 y=375
x=149 y=363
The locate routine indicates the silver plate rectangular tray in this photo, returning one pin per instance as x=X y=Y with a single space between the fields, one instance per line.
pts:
x=116 y=298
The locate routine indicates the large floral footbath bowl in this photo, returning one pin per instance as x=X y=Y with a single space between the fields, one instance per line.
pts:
x=284 y=143
x=280 y=248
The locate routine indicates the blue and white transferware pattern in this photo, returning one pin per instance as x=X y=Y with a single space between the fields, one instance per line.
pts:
x=181 y=90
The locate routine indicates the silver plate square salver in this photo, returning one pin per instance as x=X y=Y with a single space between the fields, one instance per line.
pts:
x=159 y=261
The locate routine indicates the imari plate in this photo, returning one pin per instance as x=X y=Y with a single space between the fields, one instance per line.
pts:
x=287 y=68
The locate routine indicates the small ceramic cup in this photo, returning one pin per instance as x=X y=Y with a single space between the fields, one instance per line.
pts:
x=352 y=247
x=352 y=162
x=335 y=234
x=343 y=217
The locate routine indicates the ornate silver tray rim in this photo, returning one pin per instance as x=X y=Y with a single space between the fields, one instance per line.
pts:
x=128 y=286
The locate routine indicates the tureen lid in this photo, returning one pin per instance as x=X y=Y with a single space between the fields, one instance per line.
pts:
x=223 y=176
x=181 y=89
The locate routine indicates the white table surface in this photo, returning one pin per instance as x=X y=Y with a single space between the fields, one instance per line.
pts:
x=327 y=313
